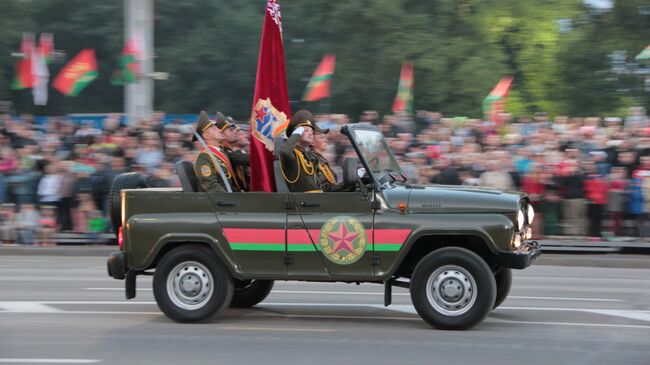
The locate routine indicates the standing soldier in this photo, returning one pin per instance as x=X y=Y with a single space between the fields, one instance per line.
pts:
x=205 y=168
x=239 y=159
x=300 y=165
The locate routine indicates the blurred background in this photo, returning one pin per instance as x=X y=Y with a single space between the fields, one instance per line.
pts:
x=567 y=57
x=570 y=128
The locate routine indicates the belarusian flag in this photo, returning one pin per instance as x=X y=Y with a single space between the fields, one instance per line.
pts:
x=404 y=98
x=129 y=66
x=319 y=85
x=493 y=103
x=644 y=55
x=271 y=113
x=24 y=78
x=77 y=74
x=46 y=46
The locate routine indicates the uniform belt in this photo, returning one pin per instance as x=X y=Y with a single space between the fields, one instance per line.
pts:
x=313 y=191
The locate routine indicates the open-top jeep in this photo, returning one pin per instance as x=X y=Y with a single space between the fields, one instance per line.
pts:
x=452 y=246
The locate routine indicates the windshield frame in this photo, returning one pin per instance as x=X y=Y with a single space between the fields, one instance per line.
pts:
x=378 y=176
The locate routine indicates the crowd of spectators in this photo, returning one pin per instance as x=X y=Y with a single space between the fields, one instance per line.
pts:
x=585 y=176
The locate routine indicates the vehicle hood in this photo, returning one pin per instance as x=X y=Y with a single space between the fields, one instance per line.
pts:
x=452 y=199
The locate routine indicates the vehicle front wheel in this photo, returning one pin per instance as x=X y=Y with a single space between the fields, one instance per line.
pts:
x=250 y=292
x=453 y=288
x=503 y=280
x=191 y=284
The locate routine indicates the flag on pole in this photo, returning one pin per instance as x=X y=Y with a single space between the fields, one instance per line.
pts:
x=271 y=113
x=46 y=47
x=23 y=78
x=128 y=70
x=494 y=102
x=644 y=55
x=404 y=98
x=319 y=85
x=77 y=74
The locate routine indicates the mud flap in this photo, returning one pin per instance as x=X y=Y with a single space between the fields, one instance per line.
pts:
x=129 y=284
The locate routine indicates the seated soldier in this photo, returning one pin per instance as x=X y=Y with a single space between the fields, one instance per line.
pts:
x=239 y=158
x=301 y=166
x=205 y=168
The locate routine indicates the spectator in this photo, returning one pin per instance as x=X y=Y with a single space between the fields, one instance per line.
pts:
x=596 y=191
x=616 y=198
x=8 y=223
x=27 y=223
x=496 y=176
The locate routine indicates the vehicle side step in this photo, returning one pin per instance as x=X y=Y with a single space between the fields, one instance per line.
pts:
x=388 y=289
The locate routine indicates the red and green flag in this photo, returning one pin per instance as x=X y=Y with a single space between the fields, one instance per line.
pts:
x=644 y=55
x=319 y=85
x=404 y=98
x=271 y=113
x=23 y=79
x=46 y=47
x=77 y=74
x=494 y=103
x=128 y=68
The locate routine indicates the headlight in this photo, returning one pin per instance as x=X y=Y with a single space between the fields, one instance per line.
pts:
x=520 y=220
x=530 y=214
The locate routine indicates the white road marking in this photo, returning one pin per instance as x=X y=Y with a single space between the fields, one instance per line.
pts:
x=321 y=292
x=45 y=307
x=49 y=361
x=27 y=307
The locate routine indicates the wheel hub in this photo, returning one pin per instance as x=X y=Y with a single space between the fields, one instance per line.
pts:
x=451 y=290
x=190 y=285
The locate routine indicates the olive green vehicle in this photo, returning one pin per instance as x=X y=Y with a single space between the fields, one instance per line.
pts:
x=453 y=247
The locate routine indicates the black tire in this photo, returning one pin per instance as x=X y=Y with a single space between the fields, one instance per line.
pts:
x=503 y=280
x=129 y=180
x=453 y=288
x=191 y=284
x=250 y=292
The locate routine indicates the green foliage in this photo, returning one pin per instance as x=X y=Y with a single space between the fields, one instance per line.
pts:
x=460 y=50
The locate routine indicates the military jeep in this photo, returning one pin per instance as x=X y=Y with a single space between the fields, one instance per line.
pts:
x=453 y=247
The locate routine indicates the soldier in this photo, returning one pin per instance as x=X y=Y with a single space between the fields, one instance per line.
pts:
x=301 y=167
x=326 y=175
x=239 y=158
x=206 y=171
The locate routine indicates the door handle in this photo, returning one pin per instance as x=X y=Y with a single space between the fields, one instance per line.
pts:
x=310 y=203
x=226 y=204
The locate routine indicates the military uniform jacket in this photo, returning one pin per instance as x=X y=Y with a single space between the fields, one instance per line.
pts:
x=207 y=174
x=326 y=176
x=299 y=166
x=241 y=163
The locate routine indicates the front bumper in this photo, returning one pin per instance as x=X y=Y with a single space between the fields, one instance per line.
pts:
x=116 y=265
x=527 y=254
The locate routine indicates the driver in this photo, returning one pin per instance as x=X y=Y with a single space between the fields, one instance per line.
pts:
x=301 y=166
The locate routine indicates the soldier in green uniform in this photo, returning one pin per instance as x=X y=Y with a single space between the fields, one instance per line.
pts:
x=327 y=176
x=207 y=173
x=301 y=167
x=239 y=158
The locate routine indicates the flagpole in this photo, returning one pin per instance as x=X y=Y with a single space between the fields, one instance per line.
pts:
x=138 y=24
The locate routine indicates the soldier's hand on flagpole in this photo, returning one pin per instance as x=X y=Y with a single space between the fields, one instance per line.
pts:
x=299 y=131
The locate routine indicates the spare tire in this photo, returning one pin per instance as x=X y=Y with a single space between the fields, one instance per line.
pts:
x=129 y=180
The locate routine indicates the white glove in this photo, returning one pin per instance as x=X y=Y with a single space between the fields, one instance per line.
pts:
x=361 y=172
x=299 y=131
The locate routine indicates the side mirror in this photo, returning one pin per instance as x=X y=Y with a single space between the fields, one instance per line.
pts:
x=350 y=172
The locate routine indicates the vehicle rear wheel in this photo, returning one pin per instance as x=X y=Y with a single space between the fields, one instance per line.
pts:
x=250 y=292
x=453 y=288
x=129 y=180
x=503 y=280
x=191 y=284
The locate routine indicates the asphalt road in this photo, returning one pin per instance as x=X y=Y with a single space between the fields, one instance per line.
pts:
x=65 y=309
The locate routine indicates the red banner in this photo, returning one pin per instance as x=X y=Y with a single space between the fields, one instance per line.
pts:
x=271 y=112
